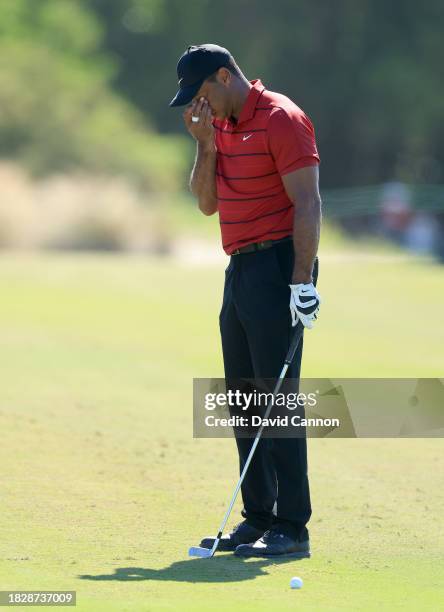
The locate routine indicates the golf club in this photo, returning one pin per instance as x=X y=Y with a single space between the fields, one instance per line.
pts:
x=199 y=551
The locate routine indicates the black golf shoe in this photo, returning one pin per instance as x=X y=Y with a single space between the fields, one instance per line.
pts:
x=241 y=534
x=274 y=543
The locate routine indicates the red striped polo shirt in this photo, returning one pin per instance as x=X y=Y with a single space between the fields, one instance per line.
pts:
x=271 y=138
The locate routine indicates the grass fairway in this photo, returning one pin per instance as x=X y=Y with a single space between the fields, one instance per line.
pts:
x=103 y=488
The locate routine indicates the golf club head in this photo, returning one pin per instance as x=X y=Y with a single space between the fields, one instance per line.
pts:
x=198 y=551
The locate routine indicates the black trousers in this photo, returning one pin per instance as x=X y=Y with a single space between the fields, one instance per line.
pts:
x=255 y=325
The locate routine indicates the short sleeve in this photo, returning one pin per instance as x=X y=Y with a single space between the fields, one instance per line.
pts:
x=291 y=140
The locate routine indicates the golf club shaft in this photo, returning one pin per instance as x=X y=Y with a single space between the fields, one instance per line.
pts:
x=289 y=358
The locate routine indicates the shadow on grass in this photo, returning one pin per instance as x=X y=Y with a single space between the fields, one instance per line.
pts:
x=219 y=569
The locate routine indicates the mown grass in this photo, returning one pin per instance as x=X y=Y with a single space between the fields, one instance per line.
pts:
x=104 y=488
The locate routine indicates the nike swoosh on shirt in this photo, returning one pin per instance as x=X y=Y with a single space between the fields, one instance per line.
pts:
x=247 y=137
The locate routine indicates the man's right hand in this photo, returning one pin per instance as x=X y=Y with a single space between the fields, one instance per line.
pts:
x=202 y=131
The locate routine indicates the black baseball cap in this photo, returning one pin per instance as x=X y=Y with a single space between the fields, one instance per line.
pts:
x=194 y=66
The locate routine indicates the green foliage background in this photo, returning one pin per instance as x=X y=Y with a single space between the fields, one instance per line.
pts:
x=86 y=83
x=368 y=72
x=58 y=109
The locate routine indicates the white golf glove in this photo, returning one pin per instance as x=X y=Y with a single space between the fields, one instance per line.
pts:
x=304 y=304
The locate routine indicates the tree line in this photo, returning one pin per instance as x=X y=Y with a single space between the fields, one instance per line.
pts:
x=88 y=82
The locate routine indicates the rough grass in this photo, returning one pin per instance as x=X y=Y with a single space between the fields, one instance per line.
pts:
x=104 y=488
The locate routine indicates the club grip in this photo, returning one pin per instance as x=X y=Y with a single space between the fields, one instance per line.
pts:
x=295 y=342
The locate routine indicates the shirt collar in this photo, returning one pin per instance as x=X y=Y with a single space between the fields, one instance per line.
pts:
x=249 y=106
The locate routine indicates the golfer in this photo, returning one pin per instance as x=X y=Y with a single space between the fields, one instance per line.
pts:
x=257 y=166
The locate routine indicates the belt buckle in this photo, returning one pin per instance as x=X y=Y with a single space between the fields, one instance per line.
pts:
x=261 y=246
x=236 y=252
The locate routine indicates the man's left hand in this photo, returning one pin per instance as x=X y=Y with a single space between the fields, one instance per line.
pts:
x=304 y=304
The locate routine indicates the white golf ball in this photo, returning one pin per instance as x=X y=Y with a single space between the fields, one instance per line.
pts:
x=296 y=583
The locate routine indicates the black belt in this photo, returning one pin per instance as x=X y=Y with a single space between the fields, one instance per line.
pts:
x=260 y=246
